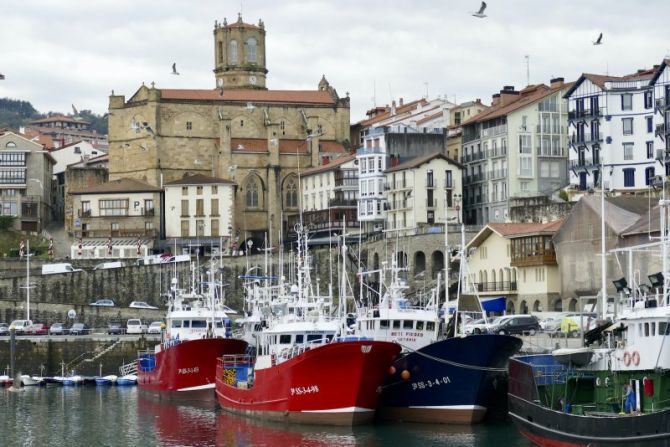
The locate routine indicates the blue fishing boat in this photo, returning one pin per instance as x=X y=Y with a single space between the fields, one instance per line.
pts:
x=127 y=380
x=106 y=380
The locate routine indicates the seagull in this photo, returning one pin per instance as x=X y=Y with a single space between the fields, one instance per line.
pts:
x=174 y=69
x=480 y=14
x=599 y=41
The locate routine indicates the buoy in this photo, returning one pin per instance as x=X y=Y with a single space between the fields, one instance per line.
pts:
x=391 y=369
x=405 y=375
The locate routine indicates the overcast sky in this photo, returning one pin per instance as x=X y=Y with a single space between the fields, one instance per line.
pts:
x=55 y=53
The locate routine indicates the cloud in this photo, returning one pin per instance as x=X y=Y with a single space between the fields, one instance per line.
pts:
x=71 y=51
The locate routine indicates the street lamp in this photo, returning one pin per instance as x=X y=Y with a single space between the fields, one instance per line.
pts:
x=457 y=201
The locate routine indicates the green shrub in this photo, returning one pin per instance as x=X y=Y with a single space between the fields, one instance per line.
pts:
x=6 y=222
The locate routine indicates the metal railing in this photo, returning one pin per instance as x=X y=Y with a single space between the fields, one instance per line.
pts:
x=499 y=286
x=586 y=113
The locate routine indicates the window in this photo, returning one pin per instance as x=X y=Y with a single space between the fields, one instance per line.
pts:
x=114 y=226
x=648 y=175
x=85 y=209
x=184 y=208
x=627 y=124
x=215 y=189
x=185 y=228
x=627 y=101
x=232 y=52
x=251 y=50
x=8 y=208
x=419 y=325
x=544 y=169
x=200 y=207
x=198 y=190
x=523 y=186
x=14 y=176
x=384 y=324
x=291 y=194
x=448 y=179
x=252 y=194
x=148 y=225
x=117 y=207
x=396 y=324
x=629 y=177
x=189 y=125
x=299 y=338
x=526 y=166
x=555 y=169
x=648 y=100
x=214 y=225
x=12 y=159
x=408 y=324
x=149 y=207
x=199 y=227
x=184 y=190
x=650 y=124
x=628 y=151
x=650 y=149
x=214 y=207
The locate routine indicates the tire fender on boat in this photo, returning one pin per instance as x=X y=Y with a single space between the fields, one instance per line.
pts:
x=635 y=358
x=626 y=358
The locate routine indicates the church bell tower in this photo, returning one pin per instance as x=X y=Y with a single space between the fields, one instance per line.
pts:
x=239 y=55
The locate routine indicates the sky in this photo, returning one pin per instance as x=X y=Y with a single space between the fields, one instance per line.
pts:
x=58 y=53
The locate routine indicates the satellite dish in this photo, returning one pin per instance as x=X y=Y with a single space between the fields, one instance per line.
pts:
x=71 y=314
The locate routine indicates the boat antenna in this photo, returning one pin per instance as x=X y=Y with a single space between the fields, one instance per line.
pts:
x=602 y=304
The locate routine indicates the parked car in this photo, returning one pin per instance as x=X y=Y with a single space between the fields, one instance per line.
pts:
x=155 y=327
x=109 y=265
x=551 y=324
x=136 y=326
x=104 y=302
x=4 y=329
x=116 y=328
x=79 y=329
x=480 y=326
x=20 y=326
x=37 y=329
x=59 y=329
x=141 y=305
x=517 y=324
x=50 y=269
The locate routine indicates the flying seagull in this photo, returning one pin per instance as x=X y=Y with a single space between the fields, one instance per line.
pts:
x=599 y=41
x=174 y=69
x=480 y=14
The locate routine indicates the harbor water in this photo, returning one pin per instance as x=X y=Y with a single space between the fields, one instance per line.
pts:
x=120 y=416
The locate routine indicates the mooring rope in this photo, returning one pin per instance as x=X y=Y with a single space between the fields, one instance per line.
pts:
x=452 y=363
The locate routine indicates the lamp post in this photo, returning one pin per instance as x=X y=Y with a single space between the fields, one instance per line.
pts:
x=457 y=207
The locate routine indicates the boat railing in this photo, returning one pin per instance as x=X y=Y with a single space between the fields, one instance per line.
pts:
x=128 y=368
x=235 y=360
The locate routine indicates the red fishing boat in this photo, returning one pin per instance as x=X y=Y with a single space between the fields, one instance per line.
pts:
x=183 y=365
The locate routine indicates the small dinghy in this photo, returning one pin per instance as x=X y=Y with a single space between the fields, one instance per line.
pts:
x=73 y=380
x=27 y=380
x=127 y=380
x=576 y=357
x=106 y=380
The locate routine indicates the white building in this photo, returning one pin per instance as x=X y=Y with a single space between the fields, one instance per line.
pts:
x=660 y=83
x=199 y=208
x=417 y=192
x=372 y=159
x=611 y=122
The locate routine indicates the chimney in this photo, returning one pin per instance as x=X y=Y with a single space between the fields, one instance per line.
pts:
x=556 y=82
x=393 y=107
x=495 y=99
x=508 y=94
x=401 y=102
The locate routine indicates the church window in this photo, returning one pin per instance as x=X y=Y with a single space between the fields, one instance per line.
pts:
x=291 y=194
x=251 y=50
x=282 y=126
x=252 y=194
x=189 y=125
x=241 y=123
x=220 y=51
x=232 y=52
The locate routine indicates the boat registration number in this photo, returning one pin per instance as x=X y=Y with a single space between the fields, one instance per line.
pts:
x=424 y=384
x=302 y=390
x=193 y=370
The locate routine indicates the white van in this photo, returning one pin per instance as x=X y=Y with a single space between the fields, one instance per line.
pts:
x=50 y=269
x=20 y=325
x=136 y=326
x=109 y=265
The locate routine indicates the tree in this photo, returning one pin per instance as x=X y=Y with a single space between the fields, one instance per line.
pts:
x=6 y=222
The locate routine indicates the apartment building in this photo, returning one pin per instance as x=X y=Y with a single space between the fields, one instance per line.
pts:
x=420 y=192
x=660 y=83
x=611 y=124
x=515 y=149
x=25 y=182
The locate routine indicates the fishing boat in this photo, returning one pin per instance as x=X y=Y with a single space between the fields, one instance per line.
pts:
x=5 y=380
x=198 y=331
x=442 y=376
x=613 y=392
x=305 y=368
x=27 y=380
x=73 y=380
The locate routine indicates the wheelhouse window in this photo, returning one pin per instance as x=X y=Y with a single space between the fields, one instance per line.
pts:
x=396 y=324
x=408 y=324
x=430 y=325
x=284 y=339
x=384 y=324
x=314 y=337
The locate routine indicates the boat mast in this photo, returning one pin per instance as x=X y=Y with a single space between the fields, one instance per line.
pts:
x=28 y=279
x=602 y=304
x=447 y=257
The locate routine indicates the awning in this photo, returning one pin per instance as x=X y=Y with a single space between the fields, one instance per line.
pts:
x=494 y=304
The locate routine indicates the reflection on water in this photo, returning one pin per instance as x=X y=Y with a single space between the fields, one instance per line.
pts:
x=112 y=416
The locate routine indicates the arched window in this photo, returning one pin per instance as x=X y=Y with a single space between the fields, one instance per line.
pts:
x=252 y=194
x=251 y=50
x=232 y=52
x=291 y=193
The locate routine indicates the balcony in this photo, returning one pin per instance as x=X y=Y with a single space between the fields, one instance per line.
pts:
x=550 y=152
x=84 y=213
x=497 y=174
x=546 y=258
x=337 y=202
x=661 y=131
x=577 y=115
x=128 y=232
x=497 y=152
x=549 y=130
x=349 y=182
x=584 y=163
x=662 y=104
x=500 y=286
x=370 y=151
x=587 y=138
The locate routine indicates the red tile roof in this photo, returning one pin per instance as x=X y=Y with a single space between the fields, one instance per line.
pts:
x=34 y=135
x=118 y=186
x=333 y=164
x=251 y=95
x=398 y=111
x=521 y=229
x=59 y=118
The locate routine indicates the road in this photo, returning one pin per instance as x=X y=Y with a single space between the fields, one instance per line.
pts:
x=97 y=336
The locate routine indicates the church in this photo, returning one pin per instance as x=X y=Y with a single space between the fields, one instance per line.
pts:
x=239 y=131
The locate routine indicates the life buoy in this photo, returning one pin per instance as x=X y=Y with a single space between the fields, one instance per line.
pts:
x=626 y=358
x=635 y=358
